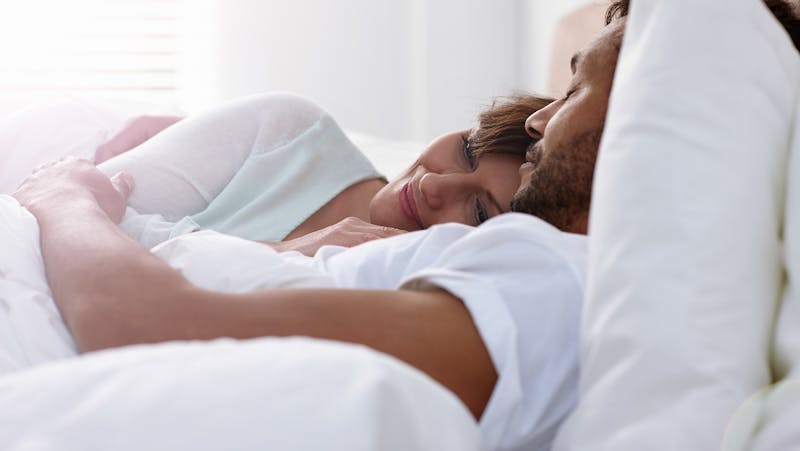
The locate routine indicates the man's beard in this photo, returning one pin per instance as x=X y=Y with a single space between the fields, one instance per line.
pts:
x=560 y=187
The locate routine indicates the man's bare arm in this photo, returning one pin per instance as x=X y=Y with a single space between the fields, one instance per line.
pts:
x=112 y=292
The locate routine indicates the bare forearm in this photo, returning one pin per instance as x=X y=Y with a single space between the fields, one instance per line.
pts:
x=98 y=275
x=432 y=331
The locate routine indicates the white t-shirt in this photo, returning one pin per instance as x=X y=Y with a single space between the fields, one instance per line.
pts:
x=522 y=280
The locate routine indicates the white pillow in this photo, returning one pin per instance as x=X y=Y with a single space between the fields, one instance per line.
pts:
x=782 y=410
x=787 y=334
x=684 y=255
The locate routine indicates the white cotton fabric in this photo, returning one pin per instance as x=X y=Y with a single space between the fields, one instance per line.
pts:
x=684 y=257
x=775 y=423
x=778 y=419
x=787 y=333
x=293 y=394
x=248 y=266
x=31 y=329
x=522 y=281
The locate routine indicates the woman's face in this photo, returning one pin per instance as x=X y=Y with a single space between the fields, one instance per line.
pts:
x=448 y=184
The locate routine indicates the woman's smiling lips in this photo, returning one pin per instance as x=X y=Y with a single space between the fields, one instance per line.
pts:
x=409 y=205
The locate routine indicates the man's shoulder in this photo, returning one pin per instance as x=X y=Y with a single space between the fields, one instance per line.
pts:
x=515 y=229
x=528 y=237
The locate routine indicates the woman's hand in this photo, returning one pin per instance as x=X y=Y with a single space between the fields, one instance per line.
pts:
x=134 y=132
x=347 y=232
x=55 y=187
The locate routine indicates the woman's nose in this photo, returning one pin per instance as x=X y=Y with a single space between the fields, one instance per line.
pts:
x=438 y=189
x=536 y=124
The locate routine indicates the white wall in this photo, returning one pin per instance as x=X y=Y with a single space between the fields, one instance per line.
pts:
x=408 y=69
x=541 y=17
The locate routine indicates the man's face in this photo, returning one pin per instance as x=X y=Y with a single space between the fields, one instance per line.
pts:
x=557 y=182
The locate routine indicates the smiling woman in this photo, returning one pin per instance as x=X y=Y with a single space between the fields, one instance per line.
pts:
x=466 y=176
x=449 y=183
x=289 y=171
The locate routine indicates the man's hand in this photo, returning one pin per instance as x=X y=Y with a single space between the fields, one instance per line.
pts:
x=348 y=232
x=134 y=132
x=56 y=186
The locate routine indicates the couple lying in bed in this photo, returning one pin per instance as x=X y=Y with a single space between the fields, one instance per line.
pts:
x=492 y=319
x=490 y=310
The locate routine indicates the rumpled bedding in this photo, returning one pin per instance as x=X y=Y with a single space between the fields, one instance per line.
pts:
x=31 y=329
x=270 y=393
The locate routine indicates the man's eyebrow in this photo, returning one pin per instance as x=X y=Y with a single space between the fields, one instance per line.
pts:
x=576 y=58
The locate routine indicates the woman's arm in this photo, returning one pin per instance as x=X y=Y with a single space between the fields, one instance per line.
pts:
x=135 y=131
x=174 y=176
x=111 y=292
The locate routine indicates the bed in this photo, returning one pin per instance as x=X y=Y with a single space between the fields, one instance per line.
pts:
x=691 y=334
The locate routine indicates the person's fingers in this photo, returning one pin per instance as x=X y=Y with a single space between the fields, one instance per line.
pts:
x=386 y=232
x=123 y=183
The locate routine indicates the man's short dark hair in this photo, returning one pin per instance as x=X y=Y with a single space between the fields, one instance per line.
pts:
x=788 y=14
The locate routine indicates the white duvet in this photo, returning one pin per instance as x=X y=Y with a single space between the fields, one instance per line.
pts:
x=274 y=394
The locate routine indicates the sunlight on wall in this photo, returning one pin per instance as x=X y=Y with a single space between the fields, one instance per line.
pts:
x=407 y=70
x=118 y=48
x=196 y=76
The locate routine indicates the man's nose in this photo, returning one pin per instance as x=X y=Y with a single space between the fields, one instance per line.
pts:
x=536 y=124
x=438 y=189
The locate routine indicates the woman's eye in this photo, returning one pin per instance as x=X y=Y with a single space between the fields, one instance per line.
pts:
x=467 y=149
x=481 y=215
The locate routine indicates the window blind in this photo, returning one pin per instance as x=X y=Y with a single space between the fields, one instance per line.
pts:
x=111 y=48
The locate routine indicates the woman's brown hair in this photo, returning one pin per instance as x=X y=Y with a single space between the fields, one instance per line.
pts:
x=501 y=127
